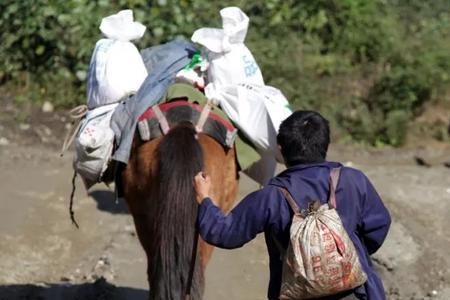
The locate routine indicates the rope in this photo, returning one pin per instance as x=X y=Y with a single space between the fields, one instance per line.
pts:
x=76 y=114
x=72 y=196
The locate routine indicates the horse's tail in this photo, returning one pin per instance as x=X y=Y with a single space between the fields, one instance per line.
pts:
x=174 y=212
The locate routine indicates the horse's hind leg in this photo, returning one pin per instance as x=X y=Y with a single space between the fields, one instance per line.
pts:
x=136 y=178
x=143 y=233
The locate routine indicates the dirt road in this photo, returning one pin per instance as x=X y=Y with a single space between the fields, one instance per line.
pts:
x=42 y=256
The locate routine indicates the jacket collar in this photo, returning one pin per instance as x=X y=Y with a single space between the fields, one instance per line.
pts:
x=325 y=164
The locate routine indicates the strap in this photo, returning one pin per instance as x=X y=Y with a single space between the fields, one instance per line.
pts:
x=290 y=200
x=161 y=119
x=192 y=267
x=76 y=114
x=295 y=209
x=72 y=196
x=334 y=179
x=204 y=116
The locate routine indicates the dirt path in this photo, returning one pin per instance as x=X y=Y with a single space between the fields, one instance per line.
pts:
x=42 y=256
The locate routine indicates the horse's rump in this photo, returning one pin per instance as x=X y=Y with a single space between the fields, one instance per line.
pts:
x=158 y=186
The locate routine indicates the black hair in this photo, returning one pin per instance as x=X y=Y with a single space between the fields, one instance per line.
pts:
x=173 y=210
x=304 y=138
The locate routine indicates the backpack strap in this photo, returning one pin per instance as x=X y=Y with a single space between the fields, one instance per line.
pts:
x=334 y=179
x=295 y=209
x=290 y=200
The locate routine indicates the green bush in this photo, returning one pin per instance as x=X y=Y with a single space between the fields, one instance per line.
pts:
x=400 y=89
x=414 y=71
x=368 y=65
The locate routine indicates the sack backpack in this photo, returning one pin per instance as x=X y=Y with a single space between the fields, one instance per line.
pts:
x=94 y=144
x=321 y=259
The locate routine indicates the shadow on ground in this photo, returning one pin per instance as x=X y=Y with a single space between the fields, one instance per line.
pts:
x=106 y=201
x=99 y=290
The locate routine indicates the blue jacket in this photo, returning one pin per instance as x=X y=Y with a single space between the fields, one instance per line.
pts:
x=361 y=209
x=162 y=62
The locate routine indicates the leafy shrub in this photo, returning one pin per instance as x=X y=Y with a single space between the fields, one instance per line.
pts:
x=368 y=65
x=401 y=89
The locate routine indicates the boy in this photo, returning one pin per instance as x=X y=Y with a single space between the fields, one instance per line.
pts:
x=303 y=138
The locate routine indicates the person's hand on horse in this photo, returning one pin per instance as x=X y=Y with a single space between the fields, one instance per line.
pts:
x=202 y=185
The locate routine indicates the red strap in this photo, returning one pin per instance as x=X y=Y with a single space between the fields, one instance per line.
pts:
x=334 y=179
x=290 y=200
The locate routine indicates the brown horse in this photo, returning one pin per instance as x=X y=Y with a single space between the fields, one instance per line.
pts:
x=158 y=187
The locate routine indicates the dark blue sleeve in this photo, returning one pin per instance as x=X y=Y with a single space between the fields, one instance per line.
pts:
x=243 y=223
x=375 y=218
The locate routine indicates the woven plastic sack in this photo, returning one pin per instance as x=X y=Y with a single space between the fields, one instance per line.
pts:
x=94 y=144
x=321 y=259
x=116 y=68
x=230 y=61
x=257 y=110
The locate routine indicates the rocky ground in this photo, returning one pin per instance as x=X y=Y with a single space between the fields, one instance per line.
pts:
x=43 y=256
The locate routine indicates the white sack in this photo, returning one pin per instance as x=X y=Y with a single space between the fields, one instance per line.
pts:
x=263 y=170
x=94 y=144
x=258 y=112
x=122 y=27
x=116 y=68
x=231 y=62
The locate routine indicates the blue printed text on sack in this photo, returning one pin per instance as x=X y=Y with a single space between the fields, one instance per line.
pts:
x=250 y=66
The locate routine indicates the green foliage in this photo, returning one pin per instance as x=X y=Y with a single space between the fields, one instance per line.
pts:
x=400 y=89
x=369 y=66
x=396 y=121
x=414 y=71
x=46 y=47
